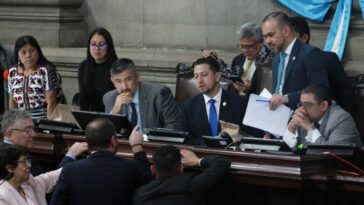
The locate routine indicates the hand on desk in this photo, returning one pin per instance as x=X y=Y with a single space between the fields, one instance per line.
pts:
x=189 y=159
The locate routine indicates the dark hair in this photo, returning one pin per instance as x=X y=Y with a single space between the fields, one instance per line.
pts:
x=211 y=61
x=300 y=26
x=110 y=53
x=121 y=65
x=99 y=133
x=281 y=17
x=9 y=155
x=167 y=161
x=27 y=39
x=321 y=92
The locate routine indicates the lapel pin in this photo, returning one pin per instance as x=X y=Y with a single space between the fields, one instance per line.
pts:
x=294 y=58
x=224 y=104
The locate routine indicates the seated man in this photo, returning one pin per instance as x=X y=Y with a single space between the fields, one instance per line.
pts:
x=147 y=105
x=18 y=129
x=200 y=114
x=321 y=121
x=103 y=178
x=172 y=186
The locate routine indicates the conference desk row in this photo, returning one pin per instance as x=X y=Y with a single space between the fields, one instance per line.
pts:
x=254 y=178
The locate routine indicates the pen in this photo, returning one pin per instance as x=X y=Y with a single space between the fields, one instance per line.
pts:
x=262 y=100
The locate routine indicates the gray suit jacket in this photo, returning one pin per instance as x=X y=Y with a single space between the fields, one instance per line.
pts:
x=154 y=100
x=337 y=127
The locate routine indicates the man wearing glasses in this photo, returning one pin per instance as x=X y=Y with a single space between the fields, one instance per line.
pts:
x=320 y=120
x=255 y=61
x=18 y=129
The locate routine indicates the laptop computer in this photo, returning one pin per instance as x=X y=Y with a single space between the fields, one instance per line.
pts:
x=121 y=122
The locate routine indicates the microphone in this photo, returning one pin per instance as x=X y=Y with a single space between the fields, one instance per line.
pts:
x=163 y=92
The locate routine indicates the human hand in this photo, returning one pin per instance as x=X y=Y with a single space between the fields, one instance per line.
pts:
x=207 y=53
x=77 y=148
x=121 y=99
x=242 y=86
x=136 y=140
x=189 y=159
x=302 y=119
x=277 y=100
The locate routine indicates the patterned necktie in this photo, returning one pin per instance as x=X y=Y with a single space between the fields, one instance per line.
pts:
x=248 y=70
x=134 y=117
x=282 y=57
x=213 y=118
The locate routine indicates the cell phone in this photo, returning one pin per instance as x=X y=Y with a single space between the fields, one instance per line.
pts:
x=236 y=79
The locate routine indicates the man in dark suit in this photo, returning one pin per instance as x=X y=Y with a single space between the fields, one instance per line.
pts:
x=103 y=178
x=320 y=121
x=342 y=91
x=200 y=114
x=147 y=105
x=18 y=129
x=172 y=186
x=295 y=65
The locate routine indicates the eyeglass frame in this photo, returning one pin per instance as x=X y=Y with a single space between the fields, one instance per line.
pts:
x=307 y=105
x=25 y=161
x=27 y=130
x=247 y=47
x=98 y=46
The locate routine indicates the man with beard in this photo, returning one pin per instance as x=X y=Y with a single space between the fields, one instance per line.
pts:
x=200 y=114
x=295 y=66
x=147 y=105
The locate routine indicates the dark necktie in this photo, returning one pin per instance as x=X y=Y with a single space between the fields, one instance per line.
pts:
x=282 y=57
x=134 y=116
x=317 y=125
x=213 y=118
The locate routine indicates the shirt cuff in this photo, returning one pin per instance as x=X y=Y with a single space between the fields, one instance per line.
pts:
x=313 y=135
x=290 y=138
x=199 y=162
x=71 y=156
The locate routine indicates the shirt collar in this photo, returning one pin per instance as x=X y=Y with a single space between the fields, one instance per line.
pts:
x=290 y=46
x=217 y=97
x=135 y=99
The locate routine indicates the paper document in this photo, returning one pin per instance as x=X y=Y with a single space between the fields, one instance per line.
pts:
x=259 y=115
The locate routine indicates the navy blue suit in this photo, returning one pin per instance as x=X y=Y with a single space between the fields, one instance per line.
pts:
x=342 y=91
x=102 y=178
x=306 y=65
x=194 y=117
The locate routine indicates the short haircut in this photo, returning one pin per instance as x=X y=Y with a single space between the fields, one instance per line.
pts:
x=9 y=155
x=281 y=17
x=11 y=117
x=121 y=65
x=251 y=30
x=300 y=26
x=167 y=161
x=321 y=92
x=211 y=61
x=99 y=133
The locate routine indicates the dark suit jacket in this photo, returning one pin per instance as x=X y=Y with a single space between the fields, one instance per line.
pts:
x=306 y=66
x=100 y=179
x=183 y=189
x=239 y=60
x=156 y=103
x=194 y=117
x=342 y=91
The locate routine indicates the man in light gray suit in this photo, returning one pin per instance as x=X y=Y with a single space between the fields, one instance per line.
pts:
x=321 y=121
x=147 y=105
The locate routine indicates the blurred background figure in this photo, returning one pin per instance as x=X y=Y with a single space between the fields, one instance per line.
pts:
x=94 y=72
x=33 y=82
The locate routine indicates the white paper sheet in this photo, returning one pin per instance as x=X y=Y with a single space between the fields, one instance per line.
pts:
x=259 y=115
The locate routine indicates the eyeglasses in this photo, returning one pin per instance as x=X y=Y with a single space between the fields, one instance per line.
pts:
x=25 y=161
x=27 y=130
x=100 y=46
x=307 y=105
x=247 y=47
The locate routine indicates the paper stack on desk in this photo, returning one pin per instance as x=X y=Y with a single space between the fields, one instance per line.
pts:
x=259 y=115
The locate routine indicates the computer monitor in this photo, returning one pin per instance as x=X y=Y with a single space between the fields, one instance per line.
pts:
x=121 y=122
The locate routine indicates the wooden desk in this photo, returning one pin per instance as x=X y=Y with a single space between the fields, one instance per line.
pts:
x=254 y=178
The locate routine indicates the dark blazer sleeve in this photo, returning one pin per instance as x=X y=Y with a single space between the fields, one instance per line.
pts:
x=84 y=98
x=65 y=161
x=169 y=109
x=146 y=175
x=216 y=168
x=60 y=195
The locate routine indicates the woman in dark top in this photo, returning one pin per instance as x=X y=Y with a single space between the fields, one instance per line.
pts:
x=94 y=72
